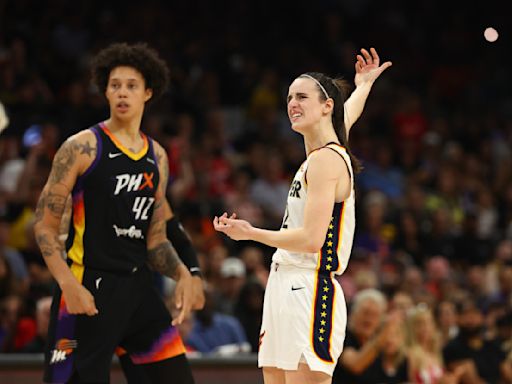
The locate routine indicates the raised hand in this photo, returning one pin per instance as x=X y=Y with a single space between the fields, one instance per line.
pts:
x=235 y=228
x=368 y=67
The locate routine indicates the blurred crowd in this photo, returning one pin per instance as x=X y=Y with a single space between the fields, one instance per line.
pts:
x=429 y=284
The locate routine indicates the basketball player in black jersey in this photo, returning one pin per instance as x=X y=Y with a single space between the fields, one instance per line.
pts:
x=117 y=177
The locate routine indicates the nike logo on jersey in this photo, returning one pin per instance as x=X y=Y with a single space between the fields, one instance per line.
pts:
x=113 y=155
x=297 y=288
x=150 y=160
x=98 y=281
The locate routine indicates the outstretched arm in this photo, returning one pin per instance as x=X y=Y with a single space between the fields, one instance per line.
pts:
x=368 y=69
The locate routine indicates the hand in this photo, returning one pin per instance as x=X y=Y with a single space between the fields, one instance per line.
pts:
x=393 y=319
x=197 y=293
x=235 y=228
x=368 y=67
x=78 y=299
x=183 y=295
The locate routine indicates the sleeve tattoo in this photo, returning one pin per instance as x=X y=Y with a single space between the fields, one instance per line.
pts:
x=52 y=202
x=164 y=259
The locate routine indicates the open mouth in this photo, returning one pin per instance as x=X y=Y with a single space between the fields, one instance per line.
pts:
x=294 y=117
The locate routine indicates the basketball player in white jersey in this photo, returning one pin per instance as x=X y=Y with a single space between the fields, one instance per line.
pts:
x=304 y=314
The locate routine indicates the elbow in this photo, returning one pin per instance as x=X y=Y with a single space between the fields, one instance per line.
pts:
x=313 y=245
x=38 y=228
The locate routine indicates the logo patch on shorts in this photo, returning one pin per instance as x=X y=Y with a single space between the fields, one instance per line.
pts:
x=63 y=348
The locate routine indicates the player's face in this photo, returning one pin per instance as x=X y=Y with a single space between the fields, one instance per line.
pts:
x=126 y=93
x=304 y=105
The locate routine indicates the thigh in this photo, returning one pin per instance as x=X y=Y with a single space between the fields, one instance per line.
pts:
x=272 y=375
x=177 y=368
x=150 y=336
x=85 y=343
x=304 y=375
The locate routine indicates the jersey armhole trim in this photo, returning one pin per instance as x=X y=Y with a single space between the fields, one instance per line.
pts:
x=93 y=165
x=343 y=158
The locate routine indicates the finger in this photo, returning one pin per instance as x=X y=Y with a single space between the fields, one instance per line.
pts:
x=358 y=67
x=178 y=298
x=367 y=56
x=376 y=58
x=361 y=60
x=233 y=216
x=386 y=65
x=225 y=220
x=229 y=222
x=179 y=319
x=91 y=311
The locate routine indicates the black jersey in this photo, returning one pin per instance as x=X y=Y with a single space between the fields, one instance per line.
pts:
x=112 y=206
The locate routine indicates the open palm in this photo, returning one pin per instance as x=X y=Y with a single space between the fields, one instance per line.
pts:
x=368 y=67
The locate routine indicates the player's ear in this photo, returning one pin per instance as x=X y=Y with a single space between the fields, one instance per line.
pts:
x=328 y=106
x=148 y=95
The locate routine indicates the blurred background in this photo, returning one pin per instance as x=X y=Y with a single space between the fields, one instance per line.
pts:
x=434 y=212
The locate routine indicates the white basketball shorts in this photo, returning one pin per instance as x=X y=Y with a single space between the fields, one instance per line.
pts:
x=304 y=318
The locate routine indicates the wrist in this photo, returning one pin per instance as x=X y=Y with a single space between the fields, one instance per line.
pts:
x=367 y=85
x=196 y=272
x=182 y=271
x=66 y=282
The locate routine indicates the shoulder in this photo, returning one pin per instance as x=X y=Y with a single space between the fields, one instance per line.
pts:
x=80 y=140
x=79 y=149
x=160 y=152
x=329 y=162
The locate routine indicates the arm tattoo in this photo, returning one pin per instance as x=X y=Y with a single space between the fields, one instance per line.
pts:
x=48 y=247
x=87 y=149
x=163 y=164
x=40 y=208
x=56 y=203
x=63 y=161
x=164 y=259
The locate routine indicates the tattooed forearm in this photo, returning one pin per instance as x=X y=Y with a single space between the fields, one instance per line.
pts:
x=164 y=259
x=48 y=245
x=66 y=218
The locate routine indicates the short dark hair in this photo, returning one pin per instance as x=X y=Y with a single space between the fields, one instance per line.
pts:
x=139 y=56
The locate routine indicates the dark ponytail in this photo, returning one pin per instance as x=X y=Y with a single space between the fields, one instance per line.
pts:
x=338 y=90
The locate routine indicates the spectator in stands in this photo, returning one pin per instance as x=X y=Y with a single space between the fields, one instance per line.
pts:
x=37 y=344
x=214 y=332
x=366 y=336
x=471 y=349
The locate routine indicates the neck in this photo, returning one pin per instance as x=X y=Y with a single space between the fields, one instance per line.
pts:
x=319 y=136
x=128 y=129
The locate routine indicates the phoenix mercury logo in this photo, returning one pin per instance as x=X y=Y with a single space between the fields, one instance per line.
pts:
x=132 y=183
x=63 y=348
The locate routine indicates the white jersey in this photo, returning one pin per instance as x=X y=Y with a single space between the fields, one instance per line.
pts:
x=334 y=255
